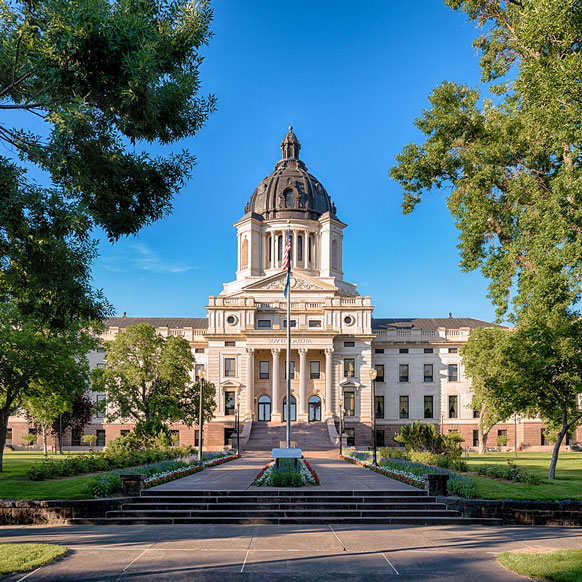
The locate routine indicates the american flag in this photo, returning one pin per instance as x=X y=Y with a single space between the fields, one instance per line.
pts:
x=287 y=253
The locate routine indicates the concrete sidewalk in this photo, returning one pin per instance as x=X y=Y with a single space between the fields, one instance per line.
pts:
x=284 y=553
x=238 y=475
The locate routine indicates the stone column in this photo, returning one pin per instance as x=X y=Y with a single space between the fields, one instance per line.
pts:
x=302 y=380
x=250 y=382
x=295 y=262
x=275 y=352
x=328 y=382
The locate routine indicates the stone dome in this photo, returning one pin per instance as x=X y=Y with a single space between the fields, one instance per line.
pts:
x=290 y=191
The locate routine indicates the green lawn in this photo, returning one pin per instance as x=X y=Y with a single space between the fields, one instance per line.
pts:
x=15 y=485
x=559 y=566
x=567 y=485
x=21 y=557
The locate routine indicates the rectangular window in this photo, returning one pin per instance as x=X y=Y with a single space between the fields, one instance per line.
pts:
x=100 y=438
x=428 y=373
x=264 y=370
x=315 y=323
x=379 y=406
x=196 y=438
x=229 y=403
x=264 y=323
x=349 y=344
x=175 y=438
x=292 y=369
x=125 y=432
x=228 y=432
x=199 y=350
x=230 y=344
x=428 y=350
x=543 y=437
x=380 y=438
x=101 y=406
x=476 y=414
x=379 y=351
x=502 y=432
x=403 y=351
x=197 y=369
x=314 y=370
x=351 y=437
x=403 y=373
x=453 y=407
x=453 y=350
x=475 y=438
x=76 y=438
x=8 y=436
x=403 y=407
x=350 y=403
x=428 y=406
x=380 y=371
x=453 y=372
x=349 y=367
x=229 y=367
x=293 y=323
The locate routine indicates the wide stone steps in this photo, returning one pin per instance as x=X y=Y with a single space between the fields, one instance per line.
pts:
x=284 y=506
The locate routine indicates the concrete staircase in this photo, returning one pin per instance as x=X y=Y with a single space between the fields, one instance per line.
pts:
x=309 y=436
x=282 y=506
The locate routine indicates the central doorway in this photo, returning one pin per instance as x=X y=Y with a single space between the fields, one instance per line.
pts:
x=293 y=407
x=314 y=408
x=264 y=408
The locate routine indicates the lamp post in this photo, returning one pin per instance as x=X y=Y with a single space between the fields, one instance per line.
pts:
x=373 y=374
x=237 y=425
x=202 y=375
x=341 y=403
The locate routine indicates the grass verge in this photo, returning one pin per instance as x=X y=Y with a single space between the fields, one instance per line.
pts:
x=558 y=566
x=21 y=557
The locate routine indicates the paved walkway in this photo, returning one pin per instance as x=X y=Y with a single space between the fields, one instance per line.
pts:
x=225 y=553
x=238 y=475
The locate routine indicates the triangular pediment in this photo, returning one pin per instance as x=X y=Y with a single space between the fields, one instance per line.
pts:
x=298 y=283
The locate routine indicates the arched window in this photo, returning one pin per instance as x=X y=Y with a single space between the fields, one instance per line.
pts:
x=245 y=254
x=269 y=250
x=299 y=248
x=280 y=248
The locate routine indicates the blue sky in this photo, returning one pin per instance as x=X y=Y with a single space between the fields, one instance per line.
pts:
x=351 y=78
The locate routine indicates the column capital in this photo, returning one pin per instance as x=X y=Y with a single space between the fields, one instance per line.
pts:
x=302 y=351
x=250 y=351
x=275 y=351
x=328 y=351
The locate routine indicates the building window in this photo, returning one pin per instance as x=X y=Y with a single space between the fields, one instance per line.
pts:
x=453 y=372
x=228 y=432
x=350 y=403
x=403 y=373
x=76 y=438
x=293 y=323
x=315 y=323
x=380 y=438
x=229 y=367
x=428 y=373
x=264 y=323
x=453 y=350
x=230 y=344
x=403 y=351
x=231 y=320
x=100 y=438
x=175 y=438
x=197 y=369
x=229 y=403
x=280 y=247
x=264 y=370
x=380 y=372
x=292 y=363
x=379 y=351
x=351 y=437
x=349 y=367
x=125 y=432
x=428 y=406
x=8 y=436
x=199 y=350
x=349 y=344
x=476 y=413
x=196 y=438
x=379 y=406
x=403 y=406
x=100 y=406
x=314 y=369
x=349 y=320
x=299 y=248
x=428 y=350
x=475 y=438
x=453 y=407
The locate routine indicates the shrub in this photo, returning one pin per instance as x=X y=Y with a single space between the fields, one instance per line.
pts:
x=391 y=453
x=423 y=457
x=422 y=437
x=280 y=478
x=501 y=440
x=509 y=472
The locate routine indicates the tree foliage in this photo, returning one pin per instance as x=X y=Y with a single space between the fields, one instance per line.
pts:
x=85 y=87
x=147 y=378
x=512 y=159
x=422 y=437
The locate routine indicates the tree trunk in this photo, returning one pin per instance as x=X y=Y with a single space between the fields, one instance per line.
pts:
x=4 y=414
x=554 y=461
x=483 y=441
x=44 y=442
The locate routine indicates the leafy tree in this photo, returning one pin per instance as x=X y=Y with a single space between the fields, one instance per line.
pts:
x=496 y=385
x=147 y=378
x=76 y=417
x=512 y=159
x=85 y=87
x=39 y=365
x=422 y=437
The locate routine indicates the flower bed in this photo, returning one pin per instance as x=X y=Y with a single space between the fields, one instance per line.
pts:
x=269 y=476
x=397 y=474
x=509 y=472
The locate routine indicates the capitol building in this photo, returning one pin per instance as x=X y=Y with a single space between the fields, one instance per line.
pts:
x=336 y=338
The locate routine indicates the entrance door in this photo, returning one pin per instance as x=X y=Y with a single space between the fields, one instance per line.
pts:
x=265 y=408
x=293 y=408
x=314 y=408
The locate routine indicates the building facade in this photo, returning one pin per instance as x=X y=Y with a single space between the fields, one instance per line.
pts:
x=336 y=340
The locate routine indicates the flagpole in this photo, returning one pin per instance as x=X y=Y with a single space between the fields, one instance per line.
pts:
x=289 y=353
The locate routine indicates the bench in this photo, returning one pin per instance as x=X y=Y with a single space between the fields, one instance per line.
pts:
x=278 y=454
